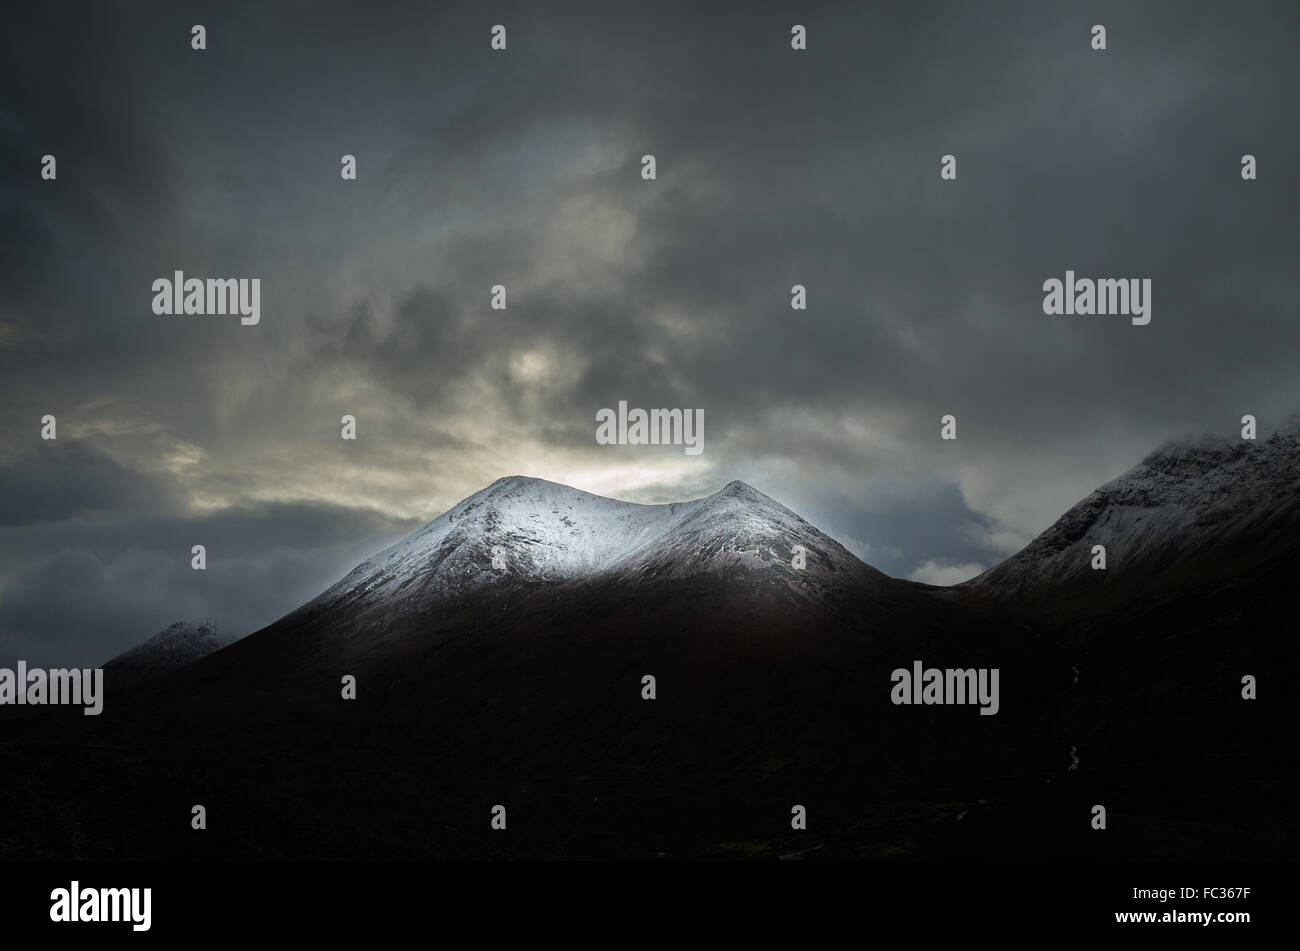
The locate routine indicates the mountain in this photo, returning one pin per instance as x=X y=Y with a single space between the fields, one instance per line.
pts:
x=527 y=681
x=177 y=646
x=547 y=532
x=1191 y=512
x=642 y=681
x=521 y=537
x=1202 y=542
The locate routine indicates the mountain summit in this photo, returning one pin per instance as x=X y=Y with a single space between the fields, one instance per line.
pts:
x=520 y=533
x=177 y=646
x=1188 y=501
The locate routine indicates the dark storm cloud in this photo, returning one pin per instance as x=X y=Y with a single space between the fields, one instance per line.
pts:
x=68 y=480
x=80 y=592
x=522 y=168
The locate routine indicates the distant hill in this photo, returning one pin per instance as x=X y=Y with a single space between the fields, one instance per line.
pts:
x=178 y=645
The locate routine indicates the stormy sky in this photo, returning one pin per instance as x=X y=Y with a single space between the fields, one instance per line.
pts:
x=523 y=168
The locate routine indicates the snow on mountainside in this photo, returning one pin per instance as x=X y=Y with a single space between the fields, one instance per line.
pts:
x=738 y=528
x=1183 y=498
x=182 y=643
x=544 y=532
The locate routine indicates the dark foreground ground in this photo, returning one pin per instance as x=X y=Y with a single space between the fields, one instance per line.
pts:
x=761 y=706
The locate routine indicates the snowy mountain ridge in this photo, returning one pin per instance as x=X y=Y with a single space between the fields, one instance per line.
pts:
x=177 y=645
x=526 y=530
x=1185 y=496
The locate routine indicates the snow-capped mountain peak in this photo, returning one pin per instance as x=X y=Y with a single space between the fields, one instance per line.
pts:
x=177 y=645
x=522 y=531
x=1186 y=496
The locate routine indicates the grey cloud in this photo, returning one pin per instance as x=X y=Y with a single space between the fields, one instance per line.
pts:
x=80 y=591
x=69 y=479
